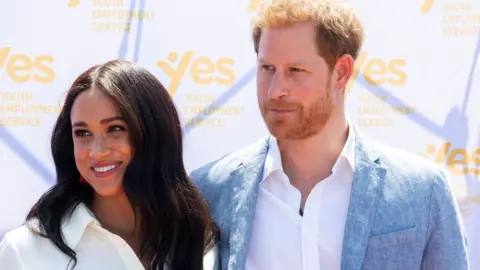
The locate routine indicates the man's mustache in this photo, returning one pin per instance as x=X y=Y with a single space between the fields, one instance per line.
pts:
x=280 y=105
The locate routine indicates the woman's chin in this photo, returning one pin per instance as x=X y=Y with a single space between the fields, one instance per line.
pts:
x=108 y=191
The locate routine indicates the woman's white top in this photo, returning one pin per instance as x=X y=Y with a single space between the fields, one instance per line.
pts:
x=96 y=248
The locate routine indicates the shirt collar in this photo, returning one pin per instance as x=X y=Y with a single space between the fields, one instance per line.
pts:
x=273 y=160
x=74 y=227
x=348 y=151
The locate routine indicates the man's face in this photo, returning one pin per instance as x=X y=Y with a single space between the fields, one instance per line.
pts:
x=295 y=84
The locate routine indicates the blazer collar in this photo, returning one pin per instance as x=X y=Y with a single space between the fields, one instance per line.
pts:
x=244 y=201
x=368 y=182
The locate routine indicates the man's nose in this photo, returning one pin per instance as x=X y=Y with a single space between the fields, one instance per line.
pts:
x=278 y=86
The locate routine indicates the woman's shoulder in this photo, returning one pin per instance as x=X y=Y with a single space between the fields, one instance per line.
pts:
x=211 y=260
x=22 y=237
x=16 y=246
x=19 y=234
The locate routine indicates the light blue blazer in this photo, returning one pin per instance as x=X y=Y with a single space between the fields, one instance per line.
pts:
x=402 y=212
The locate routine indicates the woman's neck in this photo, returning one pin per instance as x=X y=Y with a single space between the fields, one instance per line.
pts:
x=116 y=215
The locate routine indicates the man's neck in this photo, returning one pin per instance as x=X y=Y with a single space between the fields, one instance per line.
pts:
x=311 y=160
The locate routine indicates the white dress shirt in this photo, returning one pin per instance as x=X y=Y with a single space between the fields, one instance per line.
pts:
x=281 y=237
x=96 y=248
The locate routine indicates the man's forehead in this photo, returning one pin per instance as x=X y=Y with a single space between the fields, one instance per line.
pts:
x=264 y=59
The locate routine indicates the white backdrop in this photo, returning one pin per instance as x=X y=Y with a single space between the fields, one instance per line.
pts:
x=416 y=75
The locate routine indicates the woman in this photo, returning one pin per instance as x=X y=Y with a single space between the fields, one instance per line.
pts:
x=122 y=199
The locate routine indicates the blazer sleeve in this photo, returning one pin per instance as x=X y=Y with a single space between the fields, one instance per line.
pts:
x=211 y=260
x=446 y=246
x=9 y=257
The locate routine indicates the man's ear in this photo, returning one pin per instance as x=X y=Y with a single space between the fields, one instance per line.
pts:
x=343 y=70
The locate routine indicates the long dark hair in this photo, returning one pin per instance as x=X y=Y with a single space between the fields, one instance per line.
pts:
x=175 y=221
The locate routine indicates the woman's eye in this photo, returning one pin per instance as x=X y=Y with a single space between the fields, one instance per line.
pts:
x=81 y=133
x=116 y=128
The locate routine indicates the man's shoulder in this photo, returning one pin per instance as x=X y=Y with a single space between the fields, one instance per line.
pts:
x=218 y=171
x=416 y=193
x=409 y=174
x=405 y=162
x=412 y=183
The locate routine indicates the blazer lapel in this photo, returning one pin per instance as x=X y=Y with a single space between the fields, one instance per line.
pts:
x=244 y=201
x=366 y=188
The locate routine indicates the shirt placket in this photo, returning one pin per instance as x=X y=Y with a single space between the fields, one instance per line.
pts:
x=125 y=252
x=309 y=229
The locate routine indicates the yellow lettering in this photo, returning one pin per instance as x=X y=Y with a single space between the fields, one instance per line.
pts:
x=21 y=68
x=73 y=3
x=222 y=67
x=108 y=3
x=205 y=66
x=122 y=14
x=103 y=14
x=474 y=199
x=461 y=31
x=372 y=99
x=375 y=122
x=20 y=121
x=215 y=110
x=199 y=98
x=40 y=64
x=442 y=152
x=175 y=74
x=375 y=67
x=202 y=70
x=16 y=96
x=457 y=7
x=111 y=27
x=458 y=160
x=394 y=67
x=29 y=108
x=384 y=110
x=476 y=162
x=4 y=52
x=376 y=71
x=458 y=156
x=205 y=122
x=427 y=6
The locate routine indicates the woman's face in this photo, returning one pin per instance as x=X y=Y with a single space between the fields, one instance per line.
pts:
x=101 y=142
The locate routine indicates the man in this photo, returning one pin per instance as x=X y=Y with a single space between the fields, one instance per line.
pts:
x=318 y=194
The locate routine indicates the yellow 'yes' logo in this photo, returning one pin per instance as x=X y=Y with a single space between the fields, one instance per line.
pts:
x=378 y=72
x=460 y=161
x=427 y=6
x=203 y=70
x=22 y=68
x=73 y=3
